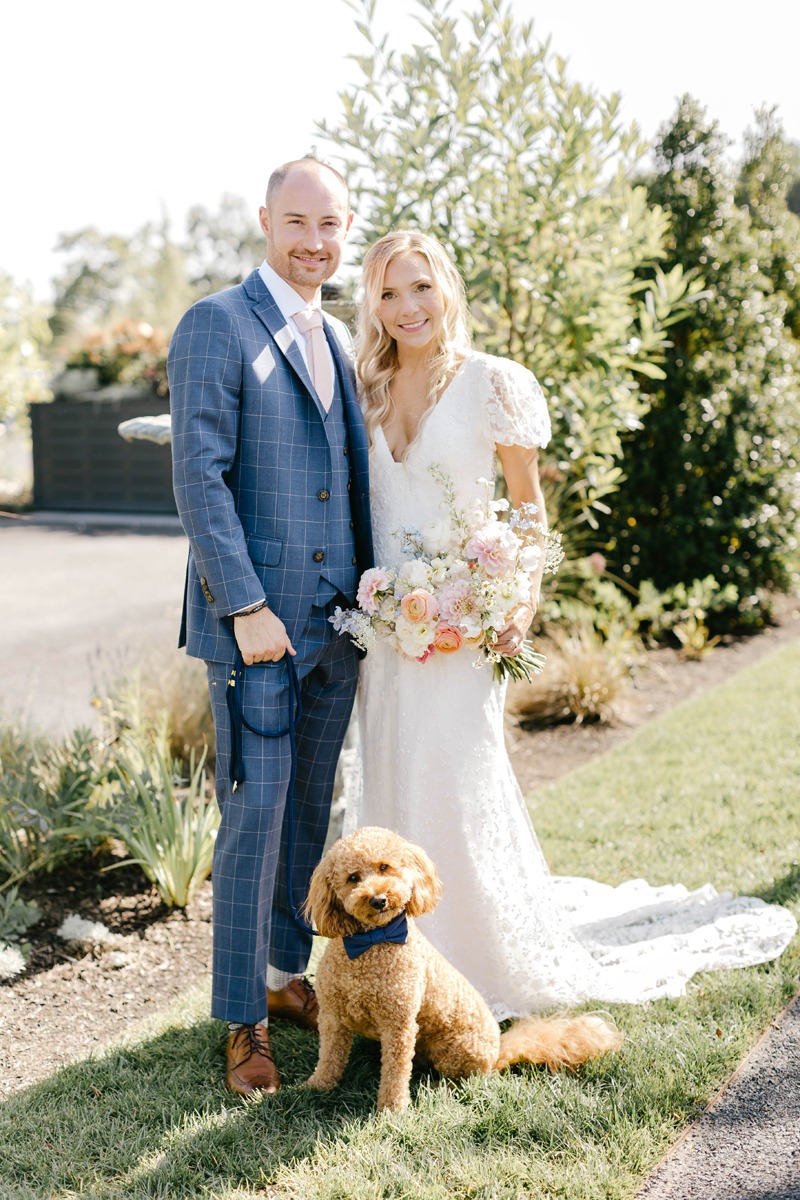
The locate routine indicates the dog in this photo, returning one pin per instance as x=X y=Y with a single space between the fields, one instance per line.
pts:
x=380 y=977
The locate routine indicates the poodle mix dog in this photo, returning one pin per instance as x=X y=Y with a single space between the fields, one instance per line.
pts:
x=380 y=977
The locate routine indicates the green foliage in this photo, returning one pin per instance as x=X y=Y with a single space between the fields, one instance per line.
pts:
x=712 y=476
x=221 y=247
x=167 y=824
x=111 y=277
x=684 y=611
x=770 y=165
x=48 y=802
x=150 y=276
x=586 y=677
x=16 y=916
x=166 y=698
x=24 y=340
x=481 y=139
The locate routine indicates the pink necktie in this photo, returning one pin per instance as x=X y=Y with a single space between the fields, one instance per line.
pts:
x=309 y=321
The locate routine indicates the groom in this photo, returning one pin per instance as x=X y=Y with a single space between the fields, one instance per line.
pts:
x=270 y=477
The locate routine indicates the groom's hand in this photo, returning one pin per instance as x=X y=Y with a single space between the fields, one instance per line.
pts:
x=261 y=637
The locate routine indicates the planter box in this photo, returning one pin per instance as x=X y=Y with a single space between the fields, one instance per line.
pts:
x=80 y=462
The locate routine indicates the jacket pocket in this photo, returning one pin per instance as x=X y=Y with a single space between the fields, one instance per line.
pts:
x=264 y=552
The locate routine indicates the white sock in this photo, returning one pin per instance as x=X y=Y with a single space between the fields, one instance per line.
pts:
x=278 y=979
x=235 y=1026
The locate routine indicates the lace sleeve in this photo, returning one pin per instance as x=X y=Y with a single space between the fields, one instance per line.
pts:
x=517 y=408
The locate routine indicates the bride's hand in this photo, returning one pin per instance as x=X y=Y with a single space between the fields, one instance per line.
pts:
x=512 y=636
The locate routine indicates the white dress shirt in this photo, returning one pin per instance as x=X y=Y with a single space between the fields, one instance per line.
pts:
x=289 y=302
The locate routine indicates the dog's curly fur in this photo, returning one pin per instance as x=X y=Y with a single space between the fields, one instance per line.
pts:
x=408 y=997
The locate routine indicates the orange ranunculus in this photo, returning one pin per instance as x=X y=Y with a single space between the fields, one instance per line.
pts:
x=419 y=605
x=448 y=639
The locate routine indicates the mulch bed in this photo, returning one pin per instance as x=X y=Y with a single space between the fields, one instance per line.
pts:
x=70 y=1003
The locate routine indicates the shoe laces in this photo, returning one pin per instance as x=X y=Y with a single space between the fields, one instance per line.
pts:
x=257 y=1041
x=310 y=995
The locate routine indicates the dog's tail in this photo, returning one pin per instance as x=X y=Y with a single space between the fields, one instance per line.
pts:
x=557 y=1041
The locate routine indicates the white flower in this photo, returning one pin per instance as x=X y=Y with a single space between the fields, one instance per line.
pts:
x=412 y=574
x=12 y=961
x=77 y=929
x=413 y=637
x=529 y=557
x=437 y=538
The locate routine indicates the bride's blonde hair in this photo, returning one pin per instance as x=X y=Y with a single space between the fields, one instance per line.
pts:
x=377 y=351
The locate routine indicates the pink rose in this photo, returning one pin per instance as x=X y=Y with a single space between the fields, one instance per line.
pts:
x=448 y=639
x=372 y=582
x=419 y=605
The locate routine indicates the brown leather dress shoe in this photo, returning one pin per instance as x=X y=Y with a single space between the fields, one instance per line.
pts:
x=250 y=1065
x=296 y=1002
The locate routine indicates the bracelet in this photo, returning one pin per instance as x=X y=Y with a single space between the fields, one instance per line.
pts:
x=250 y=611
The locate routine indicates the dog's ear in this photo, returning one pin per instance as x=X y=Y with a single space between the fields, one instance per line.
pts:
x=322 y=904
x=427 y=889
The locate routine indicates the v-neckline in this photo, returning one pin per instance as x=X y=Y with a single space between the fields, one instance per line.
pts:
x=399 y=462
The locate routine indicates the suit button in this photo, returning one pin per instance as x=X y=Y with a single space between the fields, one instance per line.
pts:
x=323 y=494
x=354 y=560
x=352 y=525
x=206 y=590
x=318 y=555
x=344 y=451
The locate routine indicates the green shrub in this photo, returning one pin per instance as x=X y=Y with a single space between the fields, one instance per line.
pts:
x=163 y=697
x=49 y=794
x=586 y=678
x=167 y=823
x=479 y=136
x=711 y=482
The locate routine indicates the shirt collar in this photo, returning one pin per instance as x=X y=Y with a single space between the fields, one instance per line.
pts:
x=287 y=299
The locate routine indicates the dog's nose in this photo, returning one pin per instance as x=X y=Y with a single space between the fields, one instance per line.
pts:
x=378 y=902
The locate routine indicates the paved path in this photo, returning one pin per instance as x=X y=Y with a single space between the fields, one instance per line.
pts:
x=746 y=1146
x=83 y=599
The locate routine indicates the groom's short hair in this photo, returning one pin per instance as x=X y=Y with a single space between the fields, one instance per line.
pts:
x=280 y=174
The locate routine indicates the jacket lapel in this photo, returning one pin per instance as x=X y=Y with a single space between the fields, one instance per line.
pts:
x=273 y=319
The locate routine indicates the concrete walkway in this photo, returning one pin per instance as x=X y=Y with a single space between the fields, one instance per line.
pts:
x=84 y=598
x=746 y=1145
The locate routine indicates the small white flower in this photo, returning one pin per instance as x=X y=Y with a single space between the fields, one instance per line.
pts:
x=529 y=557
x=413 y=637
x=77 y=929
x=12 y=961
x=413 y=574
x=437 y=538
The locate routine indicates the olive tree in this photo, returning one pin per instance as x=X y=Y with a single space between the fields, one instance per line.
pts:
x=478 y=136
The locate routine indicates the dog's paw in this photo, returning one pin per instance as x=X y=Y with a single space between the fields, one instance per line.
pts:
x=320 y=1083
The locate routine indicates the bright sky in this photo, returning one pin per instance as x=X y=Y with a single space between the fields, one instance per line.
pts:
x=115 y=113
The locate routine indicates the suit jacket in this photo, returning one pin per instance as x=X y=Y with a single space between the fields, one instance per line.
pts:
x=252 y=464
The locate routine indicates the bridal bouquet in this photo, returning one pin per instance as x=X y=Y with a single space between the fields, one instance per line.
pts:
x=463 y=577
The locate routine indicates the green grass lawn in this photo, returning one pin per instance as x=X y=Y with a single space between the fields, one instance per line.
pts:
x=707 y=793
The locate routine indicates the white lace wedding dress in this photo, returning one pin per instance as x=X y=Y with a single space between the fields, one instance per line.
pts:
x=432 y=765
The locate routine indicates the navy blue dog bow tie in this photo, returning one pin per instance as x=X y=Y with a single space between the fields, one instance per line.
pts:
x=396 y=931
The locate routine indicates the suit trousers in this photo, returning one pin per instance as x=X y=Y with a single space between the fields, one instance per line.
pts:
x=252 y=920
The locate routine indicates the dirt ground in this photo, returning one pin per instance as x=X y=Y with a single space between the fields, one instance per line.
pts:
x=70 y=1003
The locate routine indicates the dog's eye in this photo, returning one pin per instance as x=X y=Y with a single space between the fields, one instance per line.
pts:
x=383 y=867
x=354 y=878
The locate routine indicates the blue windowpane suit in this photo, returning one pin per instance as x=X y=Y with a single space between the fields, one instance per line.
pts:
x=273 y=494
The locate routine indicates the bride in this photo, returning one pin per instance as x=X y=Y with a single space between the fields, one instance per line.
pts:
x=432 y=762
